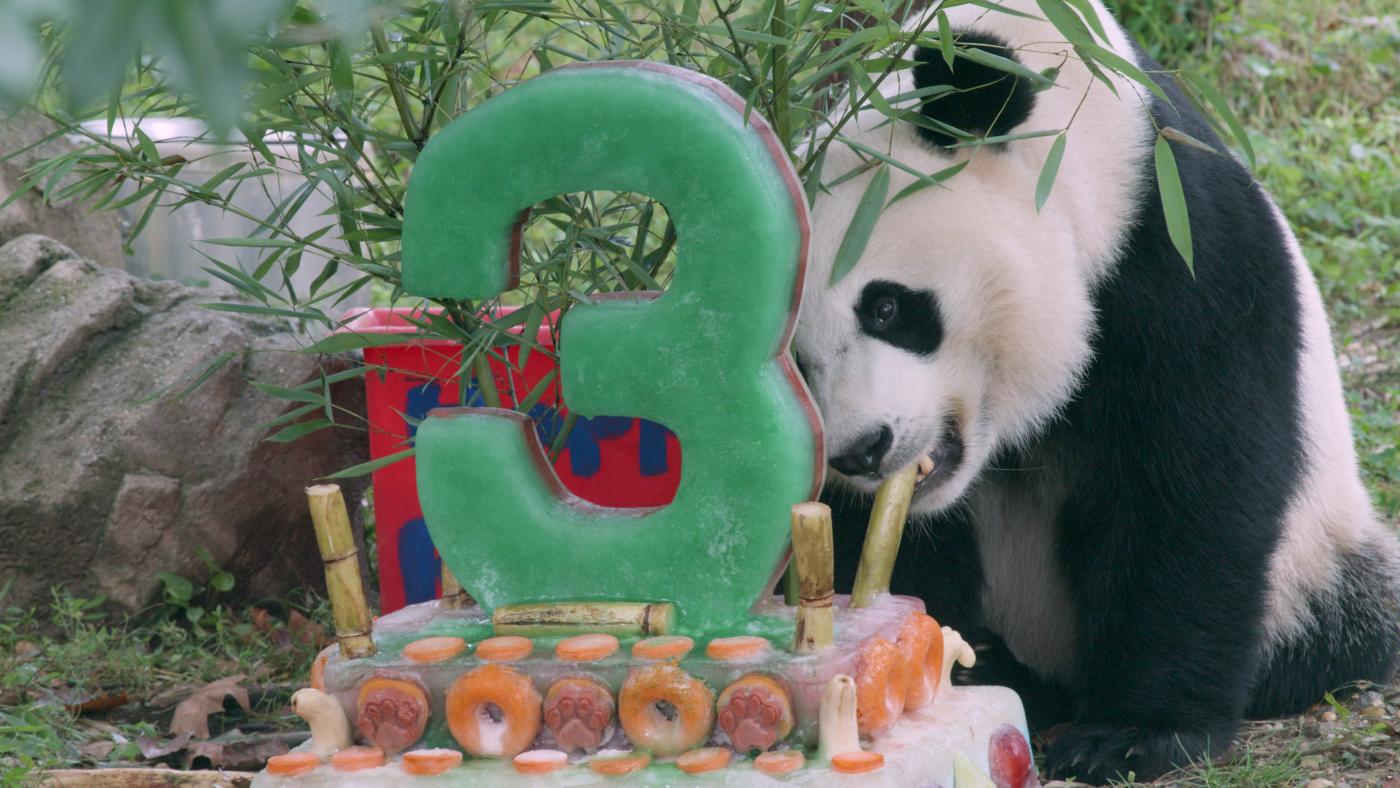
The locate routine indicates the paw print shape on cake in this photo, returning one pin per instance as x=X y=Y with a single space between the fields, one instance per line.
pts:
x=579 y=711
x=755 y=713
x=391 y=713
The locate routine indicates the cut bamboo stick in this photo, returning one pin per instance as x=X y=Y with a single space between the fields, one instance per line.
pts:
x=814 y=559
x=545 y=619
x=882 y=536
x=454 y=597
x=341 y=558
x=790 y=595
x=144 y=778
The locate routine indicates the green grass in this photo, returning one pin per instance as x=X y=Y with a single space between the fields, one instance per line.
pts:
x=53 y=659
x=1318 y=86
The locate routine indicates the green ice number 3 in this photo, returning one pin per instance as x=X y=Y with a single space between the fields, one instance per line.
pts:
x=707 y=358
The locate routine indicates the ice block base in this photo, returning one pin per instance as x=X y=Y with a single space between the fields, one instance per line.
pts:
x=919 y=751
x=424 y=649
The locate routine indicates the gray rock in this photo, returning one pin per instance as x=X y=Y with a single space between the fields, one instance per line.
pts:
x=99 y=491
x=95 y=236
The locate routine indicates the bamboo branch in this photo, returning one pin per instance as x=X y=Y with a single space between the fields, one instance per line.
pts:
x=882 y=536
x=343 y=583
x=391 y=75
x=813 y=557
x=573 y=618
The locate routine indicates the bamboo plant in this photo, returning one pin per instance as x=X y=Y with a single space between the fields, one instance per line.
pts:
x=360 y=92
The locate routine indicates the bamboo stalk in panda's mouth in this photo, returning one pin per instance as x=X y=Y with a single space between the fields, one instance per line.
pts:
x=883 y=535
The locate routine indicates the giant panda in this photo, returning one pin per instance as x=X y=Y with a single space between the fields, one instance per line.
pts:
x=1144 y=507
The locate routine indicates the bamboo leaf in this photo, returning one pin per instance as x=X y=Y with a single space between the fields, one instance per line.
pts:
x=532 y=327
x=289 y=416
x=1091 y=16
x=270 y=311
x=1177 y=135
x=945 y=39
x=214 y=365
x=1066 y=21
x=289 y=434
x=1003 y=64
x=862 y=224
x=1113 y=61
x=930 y=180
x=1173 y=201
x=295 y=395
x=1206 y=90
x=261 y=243
x=537 y=392
x=1048 y=172
x=346 y=341
x=371 y=466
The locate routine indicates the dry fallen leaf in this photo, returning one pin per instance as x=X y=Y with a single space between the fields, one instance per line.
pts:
x=238 y=753
x=192 y=713
x=98 y=700
x=151 y=749
x=262 y=620
x=97 y=750
x=306 y=630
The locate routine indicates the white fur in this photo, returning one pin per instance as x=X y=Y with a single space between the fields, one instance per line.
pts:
x=1330 y=516
x=1014 y=289
x=1013 y=284
x=1024 y=597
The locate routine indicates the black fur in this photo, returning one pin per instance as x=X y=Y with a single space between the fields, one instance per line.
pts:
x=1177 y=457
x=1355 y=638
x=984 y=102
x=914 y=322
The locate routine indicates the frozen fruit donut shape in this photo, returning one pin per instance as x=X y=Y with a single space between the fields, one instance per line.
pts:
x=707 y=358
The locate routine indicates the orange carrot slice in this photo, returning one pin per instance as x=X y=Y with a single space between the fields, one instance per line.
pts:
x=586 y=648
x=292 y=764
x=857 y=762
x=507 y=648
x=705 y=759
x=665 y=647
x=614 y=763
x=428 y=762
x=739 y=647
x=780 y=761
x=353 y=759
x=540 y=761
x=434 y=649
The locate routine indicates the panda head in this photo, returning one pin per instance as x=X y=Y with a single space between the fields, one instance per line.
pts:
x=966 y=322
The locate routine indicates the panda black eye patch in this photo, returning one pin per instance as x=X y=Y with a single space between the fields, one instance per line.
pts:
x=908 y=319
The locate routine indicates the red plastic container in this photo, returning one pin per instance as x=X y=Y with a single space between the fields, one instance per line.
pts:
x=613 y=461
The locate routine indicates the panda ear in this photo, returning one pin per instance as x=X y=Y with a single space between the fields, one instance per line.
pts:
x=983 y=102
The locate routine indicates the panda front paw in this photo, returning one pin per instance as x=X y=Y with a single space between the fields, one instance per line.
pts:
x=1099 y=754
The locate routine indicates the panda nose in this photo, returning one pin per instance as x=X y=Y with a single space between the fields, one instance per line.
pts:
x=863 y=456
